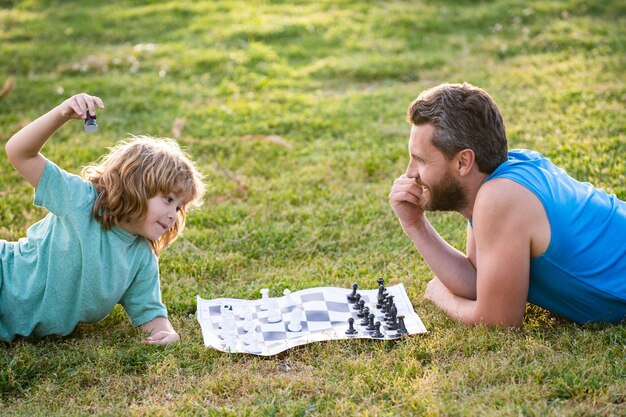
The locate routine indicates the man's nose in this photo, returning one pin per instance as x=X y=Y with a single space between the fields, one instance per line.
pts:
x=412 y=171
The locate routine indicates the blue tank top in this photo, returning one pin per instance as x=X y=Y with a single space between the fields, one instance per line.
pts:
x=582 y=274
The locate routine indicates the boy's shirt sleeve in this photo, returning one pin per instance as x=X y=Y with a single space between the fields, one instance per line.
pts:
x=60 y=192
x=142 y=299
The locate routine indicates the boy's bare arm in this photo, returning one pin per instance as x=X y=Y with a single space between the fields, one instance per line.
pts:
x=23 y=148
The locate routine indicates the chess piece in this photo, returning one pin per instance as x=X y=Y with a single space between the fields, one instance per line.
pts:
x=273 y=313
x=366 y=314
x=90 y=123
x=295 y=323
x=352 y=296
x=265 y=299
x=351 y=330
x=249 y=323
x=359 y=314
x=380 y=297
x=243 y=311
x=289 y=301
x=230 y=343
x=380 y=281
x=356 y=303
x=377 y=333
x=390 y=304
x=392 y=313
x=227 y=316
x=392 y=323
x=253 y=346
x=401 y=326
x=370 y=323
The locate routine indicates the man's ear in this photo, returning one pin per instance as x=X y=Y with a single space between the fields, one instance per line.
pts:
x=465 y=161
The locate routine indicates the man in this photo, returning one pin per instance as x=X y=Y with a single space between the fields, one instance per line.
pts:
x=534 y=233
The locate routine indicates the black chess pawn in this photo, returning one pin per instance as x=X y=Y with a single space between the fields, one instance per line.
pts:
x=392 y=314
x=377 y=333
x=351 y=330
x=390 y=305
x=366 y=315
x=356 y=303
x=370 y=323
x=393 y=323
x=352 y=296
x=401 y=326
x=385 y=305
x=90 y=123
x=361 y=308
x=380 y=297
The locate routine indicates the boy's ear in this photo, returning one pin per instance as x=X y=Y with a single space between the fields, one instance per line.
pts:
x=465 y=161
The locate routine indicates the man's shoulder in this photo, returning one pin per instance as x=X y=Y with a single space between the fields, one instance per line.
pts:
x=502 y=190
x=503 y=196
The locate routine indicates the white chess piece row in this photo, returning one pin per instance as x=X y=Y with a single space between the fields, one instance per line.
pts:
x=229 y=333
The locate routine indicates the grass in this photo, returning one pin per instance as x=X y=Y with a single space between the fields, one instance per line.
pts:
x=295 y=111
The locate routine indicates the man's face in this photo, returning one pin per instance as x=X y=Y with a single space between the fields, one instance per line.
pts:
x=441 y=190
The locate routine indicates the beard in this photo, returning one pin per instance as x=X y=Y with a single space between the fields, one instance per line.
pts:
x=445 y=195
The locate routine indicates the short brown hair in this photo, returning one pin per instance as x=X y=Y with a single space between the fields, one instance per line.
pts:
x=135 y=171
x=464 y=117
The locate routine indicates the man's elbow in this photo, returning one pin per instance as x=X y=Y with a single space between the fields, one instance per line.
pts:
x=494 y=320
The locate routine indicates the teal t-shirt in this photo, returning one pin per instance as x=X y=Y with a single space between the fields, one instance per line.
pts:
x=68 y=269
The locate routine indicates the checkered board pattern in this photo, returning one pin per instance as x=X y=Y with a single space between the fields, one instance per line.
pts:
x=325 y=317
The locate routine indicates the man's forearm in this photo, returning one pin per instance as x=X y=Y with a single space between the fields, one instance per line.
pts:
x=451 y=266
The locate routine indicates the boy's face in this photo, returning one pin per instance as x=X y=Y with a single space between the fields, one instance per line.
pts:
x=160 y=216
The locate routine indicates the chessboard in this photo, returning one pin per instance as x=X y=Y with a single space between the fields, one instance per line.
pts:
x=271 y=325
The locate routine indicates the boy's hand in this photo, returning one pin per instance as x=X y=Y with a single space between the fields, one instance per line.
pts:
x=162 y=338
x=161 y=332
x=77 y=106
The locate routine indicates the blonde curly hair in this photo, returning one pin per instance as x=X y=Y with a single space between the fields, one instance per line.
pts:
x=135 y=171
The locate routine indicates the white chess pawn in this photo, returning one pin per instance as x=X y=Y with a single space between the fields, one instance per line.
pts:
x=253 y=341
x=249 y=322
x=230 y=343
x=227 y=316
x=243 y=311
x=265 y=298
x=248 y=337
x=288 y=299
x=295 y=324
x=273 y=314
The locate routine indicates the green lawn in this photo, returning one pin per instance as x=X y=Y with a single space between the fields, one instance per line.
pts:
x=295 y=111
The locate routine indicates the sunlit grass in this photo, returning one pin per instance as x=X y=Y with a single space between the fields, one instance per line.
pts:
x=295 y=111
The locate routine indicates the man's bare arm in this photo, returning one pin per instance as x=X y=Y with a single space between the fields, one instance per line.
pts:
x=504 y=215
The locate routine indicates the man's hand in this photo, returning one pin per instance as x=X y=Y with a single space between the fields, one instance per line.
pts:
x=437 y=292
x=406 y=200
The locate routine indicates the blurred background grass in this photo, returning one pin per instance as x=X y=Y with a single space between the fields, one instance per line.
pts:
x=295 y=111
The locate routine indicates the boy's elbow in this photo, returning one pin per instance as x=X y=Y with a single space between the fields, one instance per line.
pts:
x=10 y=151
